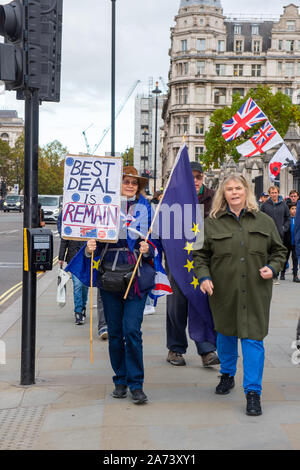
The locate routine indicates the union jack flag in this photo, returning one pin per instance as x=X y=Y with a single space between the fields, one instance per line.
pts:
x=264 y=139
x=249 y=115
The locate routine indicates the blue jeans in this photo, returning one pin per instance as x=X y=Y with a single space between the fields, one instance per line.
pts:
x=80 y=292
x=253 y=360
x=124 y=320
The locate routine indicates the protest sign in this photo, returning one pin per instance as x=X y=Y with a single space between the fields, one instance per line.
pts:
x=92 y=198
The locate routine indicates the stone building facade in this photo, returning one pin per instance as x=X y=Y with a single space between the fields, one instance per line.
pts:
x=11 y=126
x=212 y=57
x=144 y=137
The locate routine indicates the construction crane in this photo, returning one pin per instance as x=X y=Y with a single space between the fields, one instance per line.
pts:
x=88 y=148
x=106 y=131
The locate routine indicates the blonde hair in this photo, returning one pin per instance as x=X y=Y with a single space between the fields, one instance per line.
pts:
x=219 y=201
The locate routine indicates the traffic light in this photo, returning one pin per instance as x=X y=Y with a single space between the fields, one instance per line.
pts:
x=50 y=43
x=30 y=58
x=12 y=52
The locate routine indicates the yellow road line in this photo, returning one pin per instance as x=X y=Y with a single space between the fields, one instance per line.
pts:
x=11 y=294
x=9 y=290
x=13 y=290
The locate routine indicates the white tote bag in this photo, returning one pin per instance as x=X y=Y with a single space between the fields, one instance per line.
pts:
x=62 y=280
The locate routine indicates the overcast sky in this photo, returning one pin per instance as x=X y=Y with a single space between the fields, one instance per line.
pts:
x=143 y=41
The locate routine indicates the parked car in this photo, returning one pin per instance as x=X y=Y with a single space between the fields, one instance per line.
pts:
x=13 y=202
x=51 y=205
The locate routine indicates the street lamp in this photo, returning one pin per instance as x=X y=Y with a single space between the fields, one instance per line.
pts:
x=157 y=92
x=145 y=133
x=144 y=142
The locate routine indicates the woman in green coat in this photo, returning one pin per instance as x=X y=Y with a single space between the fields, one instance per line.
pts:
x=241 y=252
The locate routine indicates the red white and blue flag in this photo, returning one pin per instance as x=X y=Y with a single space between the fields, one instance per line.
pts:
x=161 y=282
x=249 y=115
x=264 y=139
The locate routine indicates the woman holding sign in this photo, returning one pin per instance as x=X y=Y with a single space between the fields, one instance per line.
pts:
x=124 y=317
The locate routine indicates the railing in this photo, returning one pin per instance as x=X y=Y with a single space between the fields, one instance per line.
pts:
x=260 y=17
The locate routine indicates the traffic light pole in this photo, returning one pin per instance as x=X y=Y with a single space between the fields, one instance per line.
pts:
x=30 y=221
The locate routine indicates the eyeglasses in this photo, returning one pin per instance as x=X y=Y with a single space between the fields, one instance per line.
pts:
x=130 y=182
x=198 y=177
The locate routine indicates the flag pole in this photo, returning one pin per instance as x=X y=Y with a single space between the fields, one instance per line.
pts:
x=153 y=220
x=91 y=315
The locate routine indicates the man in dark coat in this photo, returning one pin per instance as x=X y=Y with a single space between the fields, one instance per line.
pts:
x=177 y=304
x=67 y=250
x=205 y=195
x=289 y=243
x=277 y=209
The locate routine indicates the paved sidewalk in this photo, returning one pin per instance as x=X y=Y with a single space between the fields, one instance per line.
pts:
x=70 y=406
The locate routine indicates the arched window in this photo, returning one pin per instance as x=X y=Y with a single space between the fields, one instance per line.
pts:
x=4 y=136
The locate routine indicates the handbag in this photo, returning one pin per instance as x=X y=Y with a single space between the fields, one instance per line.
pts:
x=115 y=278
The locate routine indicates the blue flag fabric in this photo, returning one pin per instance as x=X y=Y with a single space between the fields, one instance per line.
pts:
x=80 y=266
x=179 y=238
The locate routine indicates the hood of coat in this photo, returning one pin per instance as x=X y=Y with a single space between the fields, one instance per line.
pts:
x=269 y=201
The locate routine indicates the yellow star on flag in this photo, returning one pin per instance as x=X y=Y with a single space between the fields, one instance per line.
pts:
x=189 y=265
x=189 y=247
x=195 y=282
x=96 y=264
x=196 y=228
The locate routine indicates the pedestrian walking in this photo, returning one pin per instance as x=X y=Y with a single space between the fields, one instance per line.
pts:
x=293 y=198
x=289 y=243
x=277 y=209
x=102 y=326
x=149 y=307
x=263 y=198
x=297 y=250
x=177 y=303
x=67 y=250
x=241 y=251
x=124 y=316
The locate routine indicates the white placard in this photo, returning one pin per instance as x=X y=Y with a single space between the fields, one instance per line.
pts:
x=92 y=198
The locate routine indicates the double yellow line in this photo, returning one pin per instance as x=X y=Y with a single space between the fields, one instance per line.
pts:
x=13 y=290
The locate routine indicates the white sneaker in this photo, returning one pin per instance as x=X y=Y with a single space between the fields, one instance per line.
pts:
x=103 y=334
x=276 y=282
x=149 y=310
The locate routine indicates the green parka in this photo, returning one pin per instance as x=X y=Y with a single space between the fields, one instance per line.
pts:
x=234 y=250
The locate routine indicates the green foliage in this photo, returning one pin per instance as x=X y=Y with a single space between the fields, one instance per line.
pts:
x=51 y=168
x=128 y=157
x=277 y=107
x=6 y=163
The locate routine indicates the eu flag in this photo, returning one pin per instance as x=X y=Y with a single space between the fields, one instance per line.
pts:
x=80 y=266
x=180 y=227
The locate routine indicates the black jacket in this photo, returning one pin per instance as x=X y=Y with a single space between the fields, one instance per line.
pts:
x=68 y=249
x=206 y=199
x=280 y=213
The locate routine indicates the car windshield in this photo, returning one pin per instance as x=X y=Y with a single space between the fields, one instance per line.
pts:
x=48 y=201
x=13 y=199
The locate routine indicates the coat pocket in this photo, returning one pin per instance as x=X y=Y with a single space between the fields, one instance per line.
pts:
x=258 y=242
x=221 y=244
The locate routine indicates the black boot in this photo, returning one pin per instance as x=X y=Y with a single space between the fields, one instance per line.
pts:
x=225 y=385
x=296 y=279
x=253 y=404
